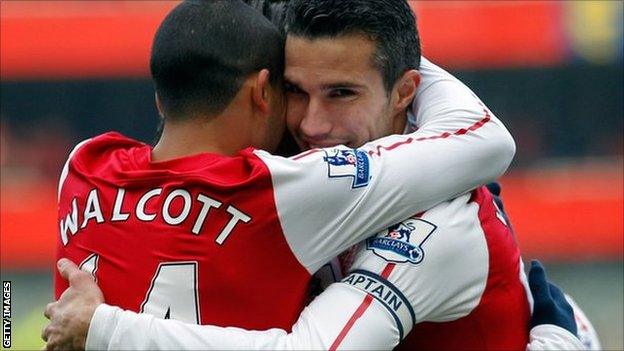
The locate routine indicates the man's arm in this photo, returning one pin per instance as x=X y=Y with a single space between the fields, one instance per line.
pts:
x=112 y=328
x=363 y=191
x=374 y=307
x=318 y=327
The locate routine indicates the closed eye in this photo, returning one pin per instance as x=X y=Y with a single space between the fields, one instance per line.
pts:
x=342 y=93
x=292 y=88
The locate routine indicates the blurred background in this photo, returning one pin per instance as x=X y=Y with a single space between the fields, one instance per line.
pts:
x=552 y=71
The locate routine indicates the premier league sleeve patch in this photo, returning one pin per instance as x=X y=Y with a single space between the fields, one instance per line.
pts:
x=351 y=163
x=402 y=242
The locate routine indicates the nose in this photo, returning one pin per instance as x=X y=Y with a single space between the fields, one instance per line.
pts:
x=315 y=125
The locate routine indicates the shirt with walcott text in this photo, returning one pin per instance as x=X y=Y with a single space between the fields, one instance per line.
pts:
x=210 y=239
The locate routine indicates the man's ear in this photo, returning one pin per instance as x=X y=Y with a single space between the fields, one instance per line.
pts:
x=406 y=88
x=260 y=92
x=159 y=106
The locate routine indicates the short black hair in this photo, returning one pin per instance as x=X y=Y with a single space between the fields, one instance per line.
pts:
x=274 y=10
x=391 y=24
x=204 y=50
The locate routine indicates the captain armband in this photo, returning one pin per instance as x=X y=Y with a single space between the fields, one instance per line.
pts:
x=388 y=295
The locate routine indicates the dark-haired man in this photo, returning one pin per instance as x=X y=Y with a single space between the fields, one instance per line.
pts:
x=457 y=264
x=203 y=229
x=346 y=63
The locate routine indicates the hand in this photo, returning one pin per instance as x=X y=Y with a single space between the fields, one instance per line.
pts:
x=495 y=190
x=551 y=306
x=70 y=316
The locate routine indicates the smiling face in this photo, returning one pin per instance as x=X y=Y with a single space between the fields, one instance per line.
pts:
x=335 y=93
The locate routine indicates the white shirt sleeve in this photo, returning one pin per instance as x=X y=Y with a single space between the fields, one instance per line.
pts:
x=320 y=326
x=586 y=331
x=552 y=337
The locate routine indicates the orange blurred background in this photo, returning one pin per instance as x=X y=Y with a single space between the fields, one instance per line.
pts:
x=566 y=211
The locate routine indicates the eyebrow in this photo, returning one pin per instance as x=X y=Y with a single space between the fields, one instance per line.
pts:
x=290 y=82
x=337 y=85
x=342 y=85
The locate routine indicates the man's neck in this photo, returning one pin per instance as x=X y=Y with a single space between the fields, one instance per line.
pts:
x=180 y=139
x=399 y=123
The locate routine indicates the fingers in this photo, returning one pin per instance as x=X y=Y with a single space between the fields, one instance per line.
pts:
x=47 y=336
x=49 y=310
x=556 y=292
x=51 y=346
x=537 y=273
x=50 y=335
x=45 y=332
x=538 y=281
x=66 y=267
x=559 y=297
x=72 y=273
x=494 y=188
x=48 y=331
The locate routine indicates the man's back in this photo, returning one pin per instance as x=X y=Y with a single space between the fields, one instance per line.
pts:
x=196 y=239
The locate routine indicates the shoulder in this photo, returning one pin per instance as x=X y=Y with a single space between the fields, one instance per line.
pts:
x=92 y=150
x=439 y=92
x=101 y=145
x=432 y=239
x=454 y=212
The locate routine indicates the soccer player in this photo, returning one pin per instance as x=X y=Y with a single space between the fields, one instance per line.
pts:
x=345 y=63
x=203 y=230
